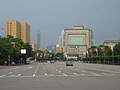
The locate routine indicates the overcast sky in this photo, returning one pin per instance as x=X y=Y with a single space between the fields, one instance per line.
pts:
x=52 y=16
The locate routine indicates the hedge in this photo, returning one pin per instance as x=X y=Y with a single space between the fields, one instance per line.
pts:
x=103 y=59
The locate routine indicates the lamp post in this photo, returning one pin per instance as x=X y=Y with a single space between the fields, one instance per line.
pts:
x=9 y=56
x=23 y=52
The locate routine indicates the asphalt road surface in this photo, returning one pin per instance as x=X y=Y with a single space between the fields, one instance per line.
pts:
x=47 y=76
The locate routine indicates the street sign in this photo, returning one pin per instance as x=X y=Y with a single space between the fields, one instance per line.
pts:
x=23 y=51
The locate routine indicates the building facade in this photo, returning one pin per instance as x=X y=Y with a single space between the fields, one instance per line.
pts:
x=56 y=49
x=18 y=30
x=33 y=45
x=111 y=42
x=75 y=40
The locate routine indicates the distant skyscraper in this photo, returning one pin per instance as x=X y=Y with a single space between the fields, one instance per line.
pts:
x=38 y=40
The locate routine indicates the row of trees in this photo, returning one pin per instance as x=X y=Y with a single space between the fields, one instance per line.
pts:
x=10 y=50
x=103 y=54
x=102 y=50
x=43 y=55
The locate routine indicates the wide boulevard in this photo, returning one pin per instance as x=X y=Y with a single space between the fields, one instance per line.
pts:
x=58 y=76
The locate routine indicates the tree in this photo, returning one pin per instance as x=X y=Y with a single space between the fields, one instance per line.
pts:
x=5 y=49
x=29 y=50
x=11 y=53
x=117 y=49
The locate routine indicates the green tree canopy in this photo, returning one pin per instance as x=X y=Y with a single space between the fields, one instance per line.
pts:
x=117 y=49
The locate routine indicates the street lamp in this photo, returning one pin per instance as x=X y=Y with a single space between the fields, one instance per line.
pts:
x=23 y=52
x=9 y=56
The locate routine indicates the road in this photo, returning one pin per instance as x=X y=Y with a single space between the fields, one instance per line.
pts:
x=46 y=76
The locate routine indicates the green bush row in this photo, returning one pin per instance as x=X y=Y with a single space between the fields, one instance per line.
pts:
x=103 y=59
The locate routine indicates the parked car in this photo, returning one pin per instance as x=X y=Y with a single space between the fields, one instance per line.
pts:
x=69 y=63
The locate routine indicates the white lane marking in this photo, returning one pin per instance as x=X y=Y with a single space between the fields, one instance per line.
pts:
x=56 y=70
x=82 y=74
x=19 y=74
x=51 y=74
x=75 y=73
x=95 y=74
x=83 y=71
x=108 y=74
x=37 y=69
x=110 y=71
x=45 y=74
x=33 y=75
x=3 y=75
x=65 y=74
x=104 y=73
x=14 y=68
x=10 y=72
x=12 y=75
x=30 y=67
x=59 y=71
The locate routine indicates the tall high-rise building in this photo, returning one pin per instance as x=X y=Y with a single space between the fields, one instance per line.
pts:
x=75 y=40
x=38 y=40
x=18 y=30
